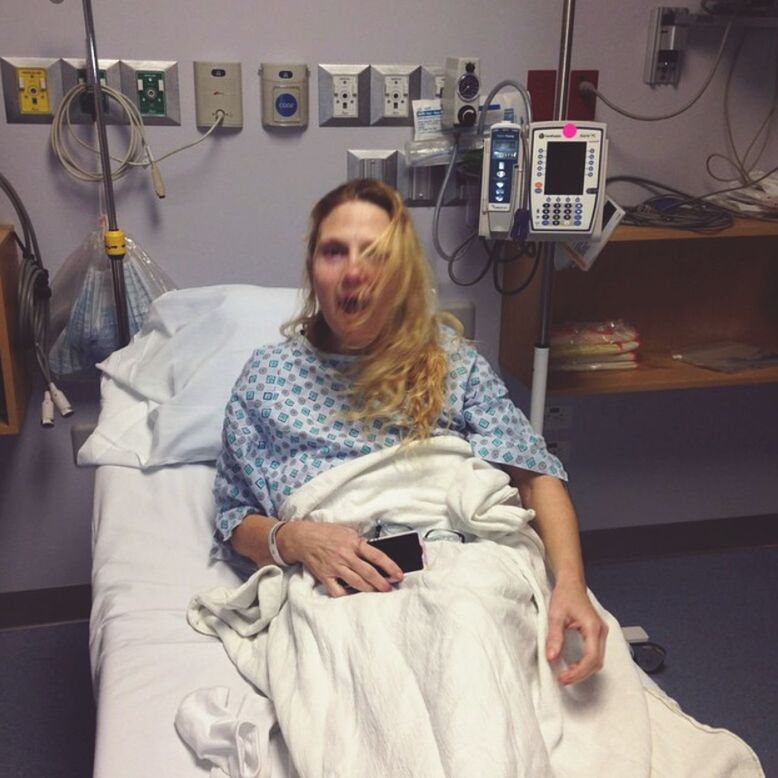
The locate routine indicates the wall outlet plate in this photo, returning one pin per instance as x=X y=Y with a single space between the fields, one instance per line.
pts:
x=392 y=87
x=32 y=88
x=344 y=95
x=74 y=71
x=152 y=85
x=218 y=87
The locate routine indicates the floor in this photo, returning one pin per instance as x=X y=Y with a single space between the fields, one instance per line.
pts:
x=720 y=658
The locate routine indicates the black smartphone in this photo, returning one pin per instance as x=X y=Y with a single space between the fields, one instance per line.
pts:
x=404 y=549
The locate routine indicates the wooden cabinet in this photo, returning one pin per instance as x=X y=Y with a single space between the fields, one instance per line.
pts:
x=14 y=373
x=679 y=289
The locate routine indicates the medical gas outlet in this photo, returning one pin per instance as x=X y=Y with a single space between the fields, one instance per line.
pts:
x=392 y=88
x=461 y=90
x=218 y=88
x=344 y=95
x=32 y=87
x=284 y=91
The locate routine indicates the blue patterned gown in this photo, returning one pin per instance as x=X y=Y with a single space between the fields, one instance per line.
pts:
x=285 y=423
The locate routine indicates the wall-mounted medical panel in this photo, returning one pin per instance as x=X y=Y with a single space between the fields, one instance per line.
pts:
x=380 y=164
x=152 y=86
x=392 y=87
x=284 y=95
x=81 y=101
x=32 y=88
x=218 y=89
x=344 y=95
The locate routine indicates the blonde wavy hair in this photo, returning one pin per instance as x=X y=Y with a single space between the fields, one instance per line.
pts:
x=401 y=377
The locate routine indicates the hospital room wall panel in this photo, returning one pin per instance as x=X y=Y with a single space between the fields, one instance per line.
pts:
x=237 y=204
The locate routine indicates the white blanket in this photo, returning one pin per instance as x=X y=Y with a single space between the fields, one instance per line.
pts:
x=445 y=676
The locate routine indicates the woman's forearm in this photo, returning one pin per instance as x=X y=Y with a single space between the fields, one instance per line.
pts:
x=249 y=538
x=555 y=521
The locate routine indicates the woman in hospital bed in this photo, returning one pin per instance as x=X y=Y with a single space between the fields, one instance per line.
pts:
x=374 y=415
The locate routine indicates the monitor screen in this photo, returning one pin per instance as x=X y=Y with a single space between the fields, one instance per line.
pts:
x=565 y=168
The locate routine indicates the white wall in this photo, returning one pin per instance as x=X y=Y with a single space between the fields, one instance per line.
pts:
x=236 y=212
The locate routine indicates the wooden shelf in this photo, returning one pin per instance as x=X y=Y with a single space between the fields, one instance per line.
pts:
x=678 y=289
x=14 y=375
x=742 y=228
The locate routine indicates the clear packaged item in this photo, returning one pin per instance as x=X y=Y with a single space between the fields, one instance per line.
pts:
x=728 y=357
x=83 y=321
x=577 y=333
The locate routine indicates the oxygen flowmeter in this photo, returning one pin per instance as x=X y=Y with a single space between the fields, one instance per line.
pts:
x=566 y=176
x=501 y=180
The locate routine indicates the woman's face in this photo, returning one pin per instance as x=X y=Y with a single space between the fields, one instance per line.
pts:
x=343 y=277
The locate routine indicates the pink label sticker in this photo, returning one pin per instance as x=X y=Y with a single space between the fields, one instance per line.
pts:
x=569 y=130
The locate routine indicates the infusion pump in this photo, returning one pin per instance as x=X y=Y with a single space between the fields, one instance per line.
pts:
x=566 y=179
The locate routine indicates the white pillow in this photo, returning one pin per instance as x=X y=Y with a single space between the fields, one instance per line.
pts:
x=164 y=395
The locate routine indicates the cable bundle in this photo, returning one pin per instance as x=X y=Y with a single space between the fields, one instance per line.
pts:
x=588 y=346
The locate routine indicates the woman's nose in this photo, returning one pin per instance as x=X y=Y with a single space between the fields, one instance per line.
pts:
x=356 y=267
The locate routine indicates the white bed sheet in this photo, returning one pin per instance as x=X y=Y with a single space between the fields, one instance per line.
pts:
x=152 y=535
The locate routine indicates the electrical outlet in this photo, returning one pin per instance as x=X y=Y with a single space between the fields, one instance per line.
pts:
x=218 y=87
x=344 y=95
x=32 y=87
x=153 y=88
x=558 y=417
x=392 y=87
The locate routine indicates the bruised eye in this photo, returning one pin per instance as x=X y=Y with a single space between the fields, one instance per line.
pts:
x=333 y=250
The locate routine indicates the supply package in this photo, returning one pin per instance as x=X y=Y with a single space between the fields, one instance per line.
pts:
x=584 y=346
x=83 y=319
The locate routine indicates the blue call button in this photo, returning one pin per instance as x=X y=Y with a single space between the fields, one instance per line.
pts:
x=286 y=104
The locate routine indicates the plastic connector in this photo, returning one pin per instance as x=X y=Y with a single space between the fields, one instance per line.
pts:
x=47 y=410
x=157 y=182
x=59 y=399
x=520 y=228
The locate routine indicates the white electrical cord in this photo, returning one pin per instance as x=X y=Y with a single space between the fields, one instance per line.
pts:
x=587 y=88
x=138 y=153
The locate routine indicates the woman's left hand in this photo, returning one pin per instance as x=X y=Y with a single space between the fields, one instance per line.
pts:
x=571 y=608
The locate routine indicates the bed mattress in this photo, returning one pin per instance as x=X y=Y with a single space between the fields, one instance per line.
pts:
x=151 y=538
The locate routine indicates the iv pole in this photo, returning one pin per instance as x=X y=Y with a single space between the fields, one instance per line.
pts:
x=540 y=361
x=114 y=237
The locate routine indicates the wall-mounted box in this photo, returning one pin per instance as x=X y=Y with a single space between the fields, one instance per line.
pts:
x=380 y=164
x=32 y=89
x=392 y=88
x=344 y=95
x=284 y=95
x=152 y=86
x=74 y=72
x=218 y=87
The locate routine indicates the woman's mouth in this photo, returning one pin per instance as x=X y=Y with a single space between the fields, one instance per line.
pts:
x=352 y=304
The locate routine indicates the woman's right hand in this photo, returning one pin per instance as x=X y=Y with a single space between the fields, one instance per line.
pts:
x=333 y=552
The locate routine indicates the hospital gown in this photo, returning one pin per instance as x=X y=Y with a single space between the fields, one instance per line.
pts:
x=286 y=422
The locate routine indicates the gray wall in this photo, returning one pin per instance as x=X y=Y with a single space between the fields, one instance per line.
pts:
x=236 y=212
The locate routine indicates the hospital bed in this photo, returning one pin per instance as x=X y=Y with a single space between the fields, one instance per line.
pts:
x=163 y=401
x=158 y=435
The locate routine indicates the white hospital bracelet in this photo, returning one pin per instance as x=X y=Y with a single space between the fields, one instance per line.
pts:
x=273 y=545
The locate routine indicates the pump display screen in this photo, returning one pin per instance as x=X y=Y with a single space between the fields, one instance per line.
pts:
x=504 y=149
x=565 y=168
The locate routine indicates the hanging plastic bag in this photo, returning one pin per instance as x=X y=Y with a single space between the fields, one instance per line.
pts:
x=83 y=311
